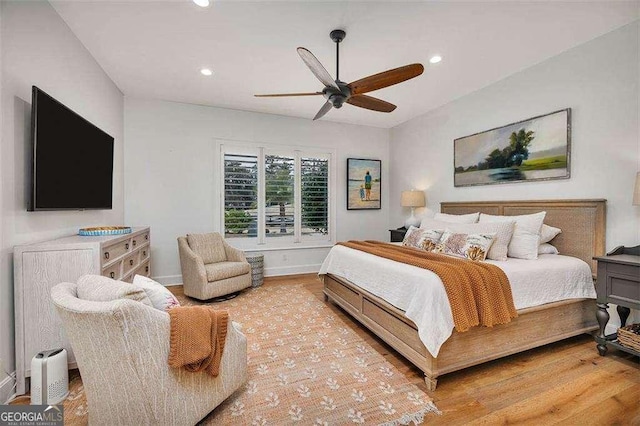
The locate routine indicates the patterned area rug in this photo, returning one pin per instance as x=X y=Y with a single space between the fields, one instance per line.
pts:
x=305 y=367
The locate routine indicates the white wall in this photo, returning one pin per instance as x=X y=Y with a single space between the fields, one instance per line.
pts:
x=598 y=80
x=170 y=168
x=39 y=49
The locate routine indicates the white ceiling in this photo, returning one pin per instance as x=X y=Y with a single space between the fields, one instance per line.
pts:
x=156 y=49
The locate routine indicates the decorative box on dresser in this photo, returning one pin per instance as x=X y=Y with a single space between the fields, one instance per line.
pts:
x=38 y=267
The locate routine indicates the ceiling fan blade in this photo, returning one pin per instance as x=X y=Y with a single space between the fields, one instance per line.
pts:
x=316 y=68
x=325 y=109
x=385 y=79
x=368 y=102
x=279 y=95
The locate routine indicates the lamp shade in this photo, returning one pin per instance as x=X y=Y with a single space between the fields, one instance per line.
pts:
x=636 y=191
x=412 y=199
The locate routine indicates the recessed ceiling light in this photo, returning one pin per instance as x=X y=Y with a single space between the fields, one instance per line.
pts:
x=435 y=59
x=201 y=3
x=206 y=71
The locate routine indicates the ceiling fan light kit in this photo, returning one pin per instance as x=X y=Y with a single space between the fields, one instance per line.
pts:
x=337 y=92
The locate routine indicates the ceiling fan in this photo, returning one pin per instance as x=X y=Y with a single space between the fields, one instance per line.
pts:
x=337 y=92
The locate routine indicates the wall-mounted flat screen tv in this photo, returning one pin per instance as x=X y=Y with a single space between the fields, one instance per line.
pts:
x=72 y=166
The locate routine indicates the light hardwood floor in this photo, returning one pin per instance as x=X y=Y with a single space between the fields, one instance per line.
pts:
x=565 y=382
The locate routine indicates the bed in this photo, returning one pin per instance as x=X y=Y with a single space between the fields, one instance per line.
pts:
x=583 y=236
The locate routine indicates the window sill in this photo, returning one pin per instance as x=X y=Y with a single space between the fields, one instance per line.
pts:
x=289 y=247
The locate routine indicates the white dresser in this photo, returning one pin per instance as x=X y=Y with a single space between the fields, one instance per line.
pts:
x=38 y=267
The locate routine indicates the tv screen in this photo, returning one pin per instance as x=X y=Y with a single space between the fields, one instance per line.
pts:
x=72 y=159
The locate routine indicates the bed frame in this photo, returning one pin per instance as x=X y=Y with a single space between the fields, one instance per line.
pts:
x=583 y=236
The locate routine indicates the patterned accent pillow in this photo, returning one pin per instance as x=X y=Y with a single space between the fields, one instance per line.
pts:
x=469 y=246
x=424 y=239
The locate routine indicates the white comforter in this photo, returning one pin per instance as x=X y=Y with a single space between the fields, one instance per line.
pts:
x=421 y=295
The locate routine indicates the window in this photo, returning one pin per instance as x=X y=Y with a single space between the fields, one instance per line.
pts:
x=276 y=196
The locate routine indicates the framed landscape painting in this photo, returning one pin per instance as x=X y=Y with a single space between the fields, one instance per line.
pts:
x=363 y=184
x=538 y=148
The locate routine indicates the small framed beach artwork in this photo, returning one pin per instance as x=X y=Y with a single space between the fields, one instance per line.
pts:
x=535 y=149
x=363 y=184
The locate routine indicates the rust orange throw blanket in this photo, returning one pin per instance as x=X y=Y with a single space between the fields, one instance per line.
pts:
x=197 y=338
x=479 y=293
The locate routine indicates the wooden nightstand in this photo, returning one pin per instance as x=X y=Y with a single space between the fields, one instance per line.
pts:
x=397 y=235
x=618 y=282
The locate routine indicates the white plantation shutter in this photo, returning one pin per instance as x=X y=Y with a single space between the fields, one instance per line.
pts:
x=314 y=189
x=279 y=179
x=240 y=195
x=276 y=197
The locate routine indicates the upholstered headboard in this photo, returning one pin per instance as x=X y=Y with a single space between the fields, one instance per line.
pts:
x=582 y=221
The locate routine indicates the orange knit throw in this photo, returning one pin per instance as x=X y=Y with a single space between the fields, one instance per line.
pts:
x=479 y=293
x=197 y=338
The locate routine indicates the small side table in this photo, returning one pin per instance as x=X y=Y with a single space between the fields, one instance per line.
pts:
x=397 y=235
x=618 y=282
x=256 y=260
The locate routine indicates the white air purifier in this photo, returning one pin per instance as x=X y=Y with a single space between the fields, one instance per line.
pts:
x=49 y=377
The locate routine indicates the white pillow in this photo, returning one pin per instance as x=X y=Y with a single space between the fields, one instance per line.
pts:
x=526 y=234
x=503 y=232
x=457 y=218
x=161 y=298
x=547 y=248
x=428 y=223
x=103 y=289
x=548 y=233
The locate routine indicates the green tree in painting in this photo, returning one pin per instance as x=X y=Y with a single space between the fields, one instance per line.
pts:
x=519 y=147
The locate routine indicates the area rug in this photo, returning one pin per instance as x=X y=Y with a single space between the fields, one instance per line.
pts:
x=306 y=366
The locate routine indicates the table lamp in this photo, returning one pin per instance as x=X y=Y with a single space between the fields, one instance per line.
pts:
x=412 y=199
x=636 y=191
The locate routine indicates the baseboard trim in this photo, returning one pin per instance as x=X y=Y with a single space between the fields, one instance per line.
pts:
x=6 y=389
x=171 y=280
x=291 y=270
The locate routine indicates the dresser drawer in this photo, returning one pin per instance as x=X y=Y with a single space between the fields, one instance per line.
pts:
x=113 y=271
x=114 y=251
x=140 y=240
x=145 y=252
x=130 y=262
x=144 y=269
x=629 y=270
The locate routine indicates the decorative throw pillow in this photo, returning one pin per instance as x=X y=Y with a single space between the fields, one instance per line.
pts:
x=424 y=239
x=469 y=246
x=502 y=230
x=161 y=298
x=547 y=248
x=102 y=289
x=457 y=218
x=548 y=233
x=526 y=234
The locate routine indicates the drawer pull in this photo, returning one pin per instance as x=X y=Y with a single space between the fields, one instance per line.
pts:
x=146 y=237
x=126 y=246
x=106 y=255
x=112 y=274
x=144 y=252
x=131 y=262
x=134 y=243
x=146 y=268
